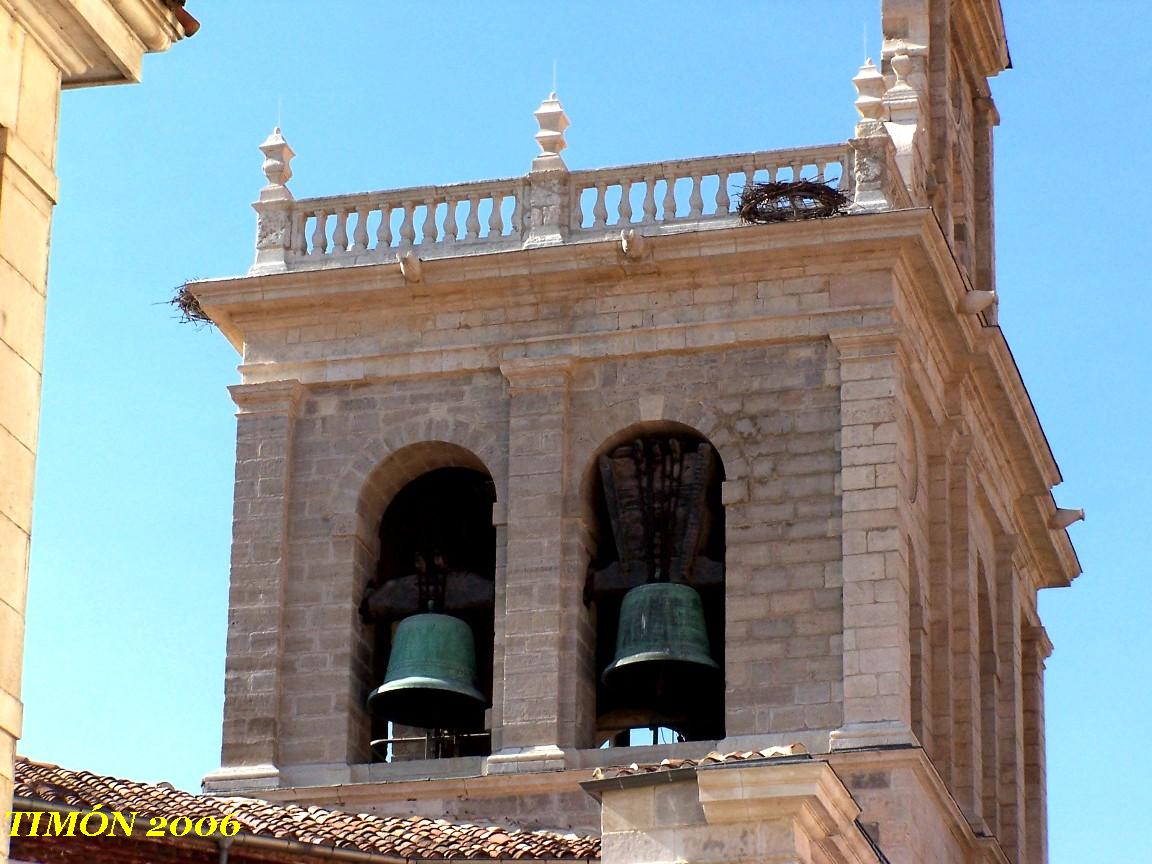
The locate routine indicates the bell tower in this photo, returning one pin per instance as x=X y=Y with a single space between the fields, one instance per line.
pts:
x=580 y=469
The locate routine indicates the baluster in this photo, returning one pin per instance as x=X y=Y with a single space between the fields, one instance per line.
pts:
x=750 y=175
x=496 y=219
x=428 y=230
x=669 y=198
x=696 y=199
x=340 y=235
x=450 y=229
x=625 y=202
x=517 y=214
x=472 y=223
x=407 y=230
x=384 y=232
x=299 y=233
x=578 y=206
x=723 y=202
x=599 y=209
x=649 y=200
x=320 y=234
x=820 y=169
x=360 y=238
x=797 y=170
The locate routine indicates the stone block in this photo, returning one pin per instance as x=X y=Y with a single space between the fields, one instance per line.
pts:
x=14 y=545
x=16 y=483
x=22 y=309
x=25 y=220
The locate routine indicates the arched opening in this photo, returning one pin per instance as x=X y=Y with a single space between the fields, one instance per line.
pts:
x=431 y=609
x=655 y=587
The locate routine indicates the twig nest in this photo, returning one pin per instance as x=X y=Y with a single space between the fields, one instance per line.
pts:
x=787 y=201
x=189 y=308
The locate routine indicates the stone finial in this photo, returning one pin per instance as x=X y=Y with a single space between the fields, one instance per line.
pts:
x=870 y=88
x=902 y=69
x=553 y=121
x=274 y=209
x=277 y=167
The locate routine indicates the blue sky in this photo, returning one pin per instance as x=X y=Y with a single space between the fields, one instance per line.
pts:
x=125 y=642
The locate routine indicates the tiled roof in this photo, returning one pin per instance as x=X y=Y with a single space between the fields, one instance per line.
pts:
x=407 y=837
x=713 y=758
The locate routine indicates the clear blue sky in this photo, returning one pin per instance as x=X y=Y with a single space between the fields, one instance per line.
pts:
x=125 y=647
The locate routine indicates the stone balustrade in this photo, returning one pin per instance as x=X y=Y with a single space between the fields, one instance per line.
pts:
x=557 y=205
x=692 y=190
x=377 y=225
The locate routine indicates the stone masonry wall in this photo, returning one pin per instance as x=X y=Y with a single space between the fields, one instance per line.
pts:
x=773 y=414
x=450 y=384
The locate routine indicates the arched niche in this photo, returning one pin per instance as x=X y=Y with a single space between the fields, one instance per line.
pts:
x=652 y=501
x=430 y=508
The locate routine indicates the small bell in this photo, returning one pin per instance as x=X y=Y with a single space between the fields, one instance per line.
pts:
x=661 y=645
x=431 y=677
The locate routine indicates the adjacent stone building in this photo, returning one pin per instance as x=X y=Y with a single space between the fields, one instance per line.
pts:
x=536 y=395
x=45 y=46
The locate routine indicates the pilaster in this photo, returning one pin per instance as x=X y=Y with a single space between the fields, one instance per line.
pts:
x=536 y=715
x=29 y=105
x=1009 y=636
x=877 y=666
x=1036 y=648
x=943 y=747
x=265 y=423
x=964 y=636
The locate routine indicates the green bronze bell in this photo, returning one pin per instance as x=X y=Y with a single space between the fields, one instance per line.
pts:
x=431 y=677
x=661 y=641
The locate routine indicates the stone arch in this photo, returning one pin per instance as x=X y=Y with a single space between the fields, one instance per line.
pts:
x=645 y=415
x=386 y=463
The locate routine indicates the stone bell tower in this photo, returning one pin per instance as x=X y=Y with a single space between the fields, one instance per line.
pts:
x=678 y=481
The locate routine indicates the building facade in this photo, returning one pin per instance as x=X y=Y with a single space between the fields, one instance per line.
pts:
x=44 y=46
x=517 y=402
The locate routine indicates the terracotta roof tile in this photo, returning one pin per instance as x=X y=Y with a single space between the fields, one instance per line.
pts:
x=713 y=758
x=408 y=837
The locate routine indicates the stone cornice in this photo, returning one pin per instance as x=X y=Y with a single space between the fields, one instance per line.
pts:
x=909 y=242
x=97 y=42
x=271 y=397
x=535 y=373
x=765 y=329
x=982 y=26
x=985 y=366
x=714 y=249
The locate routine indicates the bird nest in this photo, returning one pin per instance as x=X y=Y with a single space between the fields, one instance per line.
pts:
x=787 y=201
x=185 y=302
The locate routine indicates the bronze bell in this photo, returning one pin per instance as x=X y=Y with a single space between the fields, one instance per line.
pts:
x=662 y=649
x=431 y=677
